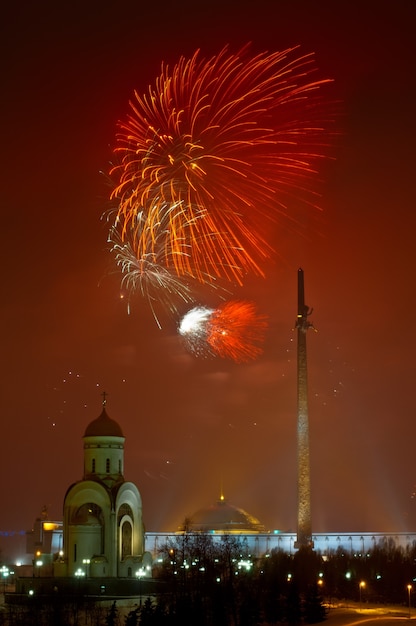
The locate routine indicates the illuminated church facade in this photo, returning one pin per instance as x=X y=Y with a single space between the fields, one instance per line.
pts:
x=103 y=533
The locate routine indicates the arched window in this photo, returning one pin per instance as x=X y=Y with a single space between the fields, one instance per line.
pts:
x=125 y=521
x=126 y=540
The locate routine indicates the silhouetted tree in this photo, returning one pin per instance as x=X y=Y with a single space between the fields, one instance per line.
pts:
x=313 y=608
x=132 y=618
x=112 y=615
x=293 y=612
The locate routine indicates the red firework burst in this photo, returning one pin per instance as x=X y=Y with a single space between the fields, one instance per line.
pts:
x=236 y=331
x=219 y=144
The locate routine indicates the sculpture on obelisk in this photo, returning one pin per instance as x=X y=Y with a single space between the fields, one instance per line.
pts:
x=304 y=529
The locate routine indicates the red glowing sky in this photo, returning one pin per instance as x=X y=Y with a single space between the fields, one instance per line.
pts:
x=192 y=425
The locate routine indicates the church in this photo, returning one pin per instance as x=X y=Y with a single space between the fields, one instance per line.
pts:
x=103 y=532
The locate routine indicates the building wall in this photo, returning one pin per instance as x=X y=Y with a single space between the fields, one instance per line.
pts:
x=325 y=543
x=44 y=540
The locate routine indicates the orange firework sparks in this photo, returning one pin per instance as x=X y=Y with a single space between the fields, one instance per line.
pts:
x=144 y=268
x=213 y=148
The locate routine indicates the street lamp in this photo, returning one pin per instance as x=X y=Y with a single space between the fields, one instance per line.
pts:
x=361 y=586
x=86 y=562
x=37 y=561
x=409 y=591
x=4 y=572
x=140 y=573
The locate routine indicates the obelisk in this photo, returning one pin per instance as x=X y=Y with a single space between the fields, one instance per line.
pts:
x=304 y=528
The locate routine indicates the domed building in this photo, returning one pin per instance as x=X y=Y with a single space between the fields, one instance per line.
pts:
x=223 y=517
x=103 y=534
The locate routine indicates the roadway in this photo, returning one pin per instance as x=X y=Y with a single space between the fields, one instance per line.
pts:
x=353 y=615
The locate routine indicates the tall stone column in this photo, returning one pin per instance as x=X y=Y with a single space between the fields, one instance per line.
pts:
x=304 y=528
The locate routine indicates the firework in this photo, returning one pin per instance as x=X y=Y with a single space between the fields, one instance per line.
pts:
x=234 y=330
x=148 y=269
x=146 y=273
x=193 y=328
x=214 y=148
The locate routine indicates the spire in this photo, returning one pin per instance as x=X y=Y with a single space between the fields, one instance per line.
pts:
x=222 y=497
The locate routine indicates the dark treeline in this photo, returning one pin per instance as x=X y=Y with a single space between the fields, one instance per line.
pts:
x=206 y=582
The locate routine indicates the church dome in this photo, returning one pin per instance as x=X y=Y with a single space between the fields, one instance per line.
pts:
x=224 y=517
x=103 y=426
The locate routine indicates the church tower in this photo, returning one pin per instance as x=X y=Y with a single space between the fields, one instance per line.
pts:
x=104 y=451
x=103 y=528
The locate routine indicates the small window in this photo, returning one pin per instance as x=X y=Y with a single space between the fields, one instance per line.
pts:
x=119 y=466
x=107 y=466
x=93 y=466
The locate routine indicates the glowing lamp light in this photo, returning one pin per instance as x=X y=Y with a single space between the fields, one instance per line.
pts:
x=50 y=526
x=361 y=587
x=244 y=564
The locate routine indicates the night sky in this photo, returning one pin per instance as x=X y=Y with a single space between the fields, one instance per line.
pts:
x=195 y=425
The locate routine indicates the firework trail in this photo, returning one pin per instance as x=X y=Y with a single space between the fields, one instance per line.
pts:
x=232 y=331
x=145 y=272
x=213 y=149
x=144 y=269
